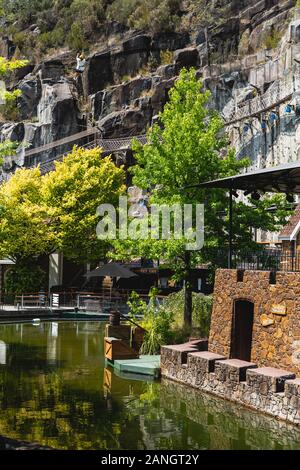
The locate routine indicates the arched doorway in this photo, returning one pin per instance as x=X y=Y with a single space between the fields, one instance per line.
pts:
x=242 y=327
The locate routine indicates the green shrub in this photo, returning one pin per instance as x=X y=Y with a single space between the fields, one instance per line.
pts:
x=164 y=323
x=157 y=15
x=272 y=39
x=24 y=278
x=120 y=10
x=20 y=39
x=51 y=39
x=58 y=17
x=76 y=38
x=166 y=57
x=9 y=110
x=201 y=314
x=8 y=148
x=155 y=320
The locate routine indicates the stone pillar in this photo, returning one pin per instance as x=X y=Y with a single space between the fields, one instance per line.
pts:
x=55 y=269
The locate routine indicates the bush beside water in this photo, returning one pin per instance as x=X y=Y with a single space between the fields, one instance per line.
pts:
x=163 y=322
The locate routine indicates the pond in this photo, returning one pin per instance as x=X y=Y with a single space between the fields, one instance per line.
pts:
x=55 y=390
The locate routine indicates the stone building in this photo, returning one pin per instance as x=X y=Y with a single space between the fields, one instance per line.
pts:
x=254 y=344
x=256 y=317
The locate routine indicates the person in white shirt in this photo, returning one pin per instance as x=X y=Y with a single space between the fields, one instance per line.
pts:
x=80 y=63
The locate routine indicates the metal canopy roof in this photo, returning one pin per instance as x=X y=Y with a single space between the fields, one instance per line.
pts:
x=283 y=178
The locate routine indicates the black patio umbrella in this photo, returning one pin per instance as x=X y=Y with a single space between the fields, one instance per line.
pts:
x=112 y=270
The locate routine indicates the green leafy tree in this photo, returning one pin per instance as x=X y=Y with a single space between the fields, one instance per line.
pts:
x=7 y=148
x=190 y=147
x=39 y=214
x=9 y=109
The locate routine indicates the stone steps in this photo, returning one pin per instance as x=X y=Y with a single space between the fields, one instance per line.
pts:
x=233 y=370
x=266 y=380
x=204 y=360
x=273 y=391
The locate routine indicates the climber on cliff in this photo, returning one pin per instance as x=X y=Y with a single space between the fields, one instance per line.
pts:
x=80 y=66
x=80 y=63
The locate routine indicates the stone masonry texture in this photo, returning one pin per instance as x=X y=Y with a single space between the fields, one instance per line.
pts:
x=268 y=383
x=276 y=345
x=272 y=391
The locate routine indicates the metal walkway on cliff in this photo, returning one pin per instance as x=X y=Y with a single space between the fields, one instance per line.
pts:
x=88 y=138
x=275 y=96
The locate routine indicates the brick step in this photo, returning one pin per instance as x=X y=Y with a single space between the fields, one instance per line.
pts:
x=233 y=370
x=268 y=379
x=203 y=360
x=292 y=391
x=179 y=352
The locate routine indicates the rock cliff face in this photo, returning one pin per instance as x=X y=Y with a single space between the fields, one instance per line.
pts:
x=246 y=53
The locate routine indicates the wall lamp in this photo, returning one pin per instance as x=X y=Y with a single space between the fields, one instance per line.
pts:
x=255 y=196
x=290 y=198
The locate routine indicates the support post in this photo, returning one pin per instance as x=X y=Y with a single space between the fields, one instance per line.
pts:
x=230 y=228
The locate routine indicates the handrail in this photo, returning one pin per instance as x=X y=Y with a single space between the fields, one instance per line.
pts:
x=263 y=103
x=66 y=140
x=133 y=322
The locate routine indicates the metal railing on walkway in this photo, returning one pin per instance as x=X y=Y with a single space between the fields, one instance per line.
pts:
x=101 y=302
x=261 y=260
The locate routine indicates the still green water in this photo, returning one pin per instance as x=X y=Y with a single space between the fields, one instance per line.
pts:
x=56 y=391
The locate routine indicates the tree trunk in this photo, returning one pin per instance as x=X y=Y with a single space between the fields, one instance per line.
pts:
x=188 y=300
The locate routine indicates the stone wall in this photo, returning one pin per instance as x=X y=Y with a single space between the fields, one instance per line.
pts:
x=276 y=336
x=251 y=429
x=272 y=391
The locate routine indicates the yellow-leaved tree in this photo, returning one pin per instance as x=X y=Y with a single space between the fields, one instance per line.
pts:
x=73 y=192
x=58 y=211
x=24 y=230
x=8 y=99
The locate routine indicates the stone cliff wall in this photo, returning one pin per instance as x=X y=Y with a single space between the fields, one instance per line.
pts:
x=248 y=48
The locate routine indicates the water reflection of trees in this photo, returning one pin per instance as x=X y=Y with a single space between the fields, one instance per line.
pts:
x=74 y=403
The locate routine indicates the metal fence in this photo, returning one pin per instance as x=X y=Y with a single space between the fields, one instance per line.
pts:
x=101 y=302
x=262 y=260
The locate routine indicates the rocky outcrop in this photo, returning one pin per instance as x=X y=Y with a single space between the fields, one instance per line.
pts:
x=188 y=57
x=128 y=59
x=125 y=123
x=31 y=89
x=98 y=73
x=113 y=99
x=51 y=69
x=57 y=109
x=127 y=79
x=7 y=47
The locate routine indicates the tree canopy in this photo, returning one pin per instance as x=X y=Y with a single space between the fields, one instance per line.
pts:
x=24 y=229
x=40 y=214
x=72 y=193
x=187 y=147
x=190 y=147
